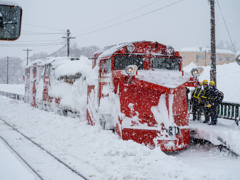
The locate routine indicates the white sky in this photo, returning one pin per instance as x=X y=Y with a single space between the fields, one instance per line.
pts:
x=184 y=24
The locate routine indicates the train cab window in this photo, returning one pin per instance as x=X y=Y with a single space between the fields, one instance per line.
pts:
x=47 y=70
x=166 y=63
x=107 y=66
x=26 y=71
x=121 y=62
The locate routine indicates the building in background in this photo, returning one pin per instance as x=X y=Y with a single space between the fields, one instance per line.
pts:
x=201 y=56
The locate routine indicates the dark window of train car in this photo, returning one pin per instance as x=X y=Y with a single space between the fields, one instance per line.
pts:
x=34 y=69
x=47 y=70
x=166 y=63
x=121 y=62
x=26 y=71
x=107 y=66
x=101 y=67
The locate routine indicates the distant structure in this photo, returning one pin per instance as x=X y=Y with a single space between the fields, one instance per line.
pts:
x=201 y=56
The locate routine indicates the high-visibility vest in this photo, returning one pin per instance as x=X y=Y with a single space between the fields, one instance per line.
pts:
x=194 y=95
x=203 y=96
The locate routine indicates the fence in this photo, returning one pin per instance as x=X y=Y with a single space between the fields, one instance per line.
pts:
x=12 y=95
x=227 y=110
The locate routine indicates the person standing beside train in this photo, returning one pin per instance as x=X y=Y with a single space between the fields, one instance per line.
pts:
x=213 y=102
x=204 y=99
x=196 y=108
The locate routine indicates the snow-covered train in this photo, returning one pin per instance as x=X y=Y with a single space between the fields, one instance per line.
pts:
x=136 y=89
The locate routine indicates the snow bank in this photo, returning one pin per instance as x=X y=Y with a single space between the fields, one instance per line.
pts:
x=96 y=153
x=228 y=135
x=13 y=88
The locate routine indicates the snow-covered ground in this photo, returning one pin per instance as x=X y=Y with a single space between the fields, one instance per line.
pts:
x=13 y=88
x=10 y=163
x=100 y=154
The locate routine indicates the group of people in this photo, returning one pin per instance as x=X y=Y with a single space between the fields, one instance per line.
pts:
x=207 y=98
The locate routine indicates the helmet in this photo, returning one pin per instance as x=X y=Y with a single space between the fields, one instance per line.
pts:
x=200 y=83
x=212 y=83
x=205 y=82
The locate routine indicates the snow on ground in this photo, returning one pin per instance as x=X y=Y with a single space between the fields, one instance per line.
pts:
x=13 y=88
x=226 y=132
x=9 y=163
x=227 y=79
x=100 y=154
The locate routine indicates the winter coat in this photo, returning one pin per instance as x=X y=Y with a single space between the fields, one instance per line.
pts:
x=213 y=96
x=205 y=95
x=196 y=95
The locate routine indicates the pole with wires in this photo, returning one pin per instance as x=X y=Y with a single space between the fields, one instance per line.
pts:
x=7 y=67
x=213 y=71
x=68 y=42
x=27 y=53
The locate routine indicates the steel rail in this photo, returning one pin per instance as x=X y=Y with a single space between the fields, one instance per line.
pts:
x=21 y=157
x=73 y=170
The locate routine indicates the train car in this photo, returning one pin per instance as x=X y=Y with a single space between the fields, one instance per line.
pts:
x=136 y=89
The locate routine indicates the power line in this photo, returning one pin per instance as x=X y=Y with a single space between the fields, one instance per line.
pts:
x=226 y=27
x=155 y=10
x=56 y=51
x=118 y=16
x=40 y=33
x=43 y=27
x=132 y=18
x=31 y=45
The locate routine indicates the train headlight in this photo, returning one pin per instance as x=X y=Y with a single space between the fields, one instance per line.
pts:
x=169 y=49
x=197 y=71
x=131 y=70
x=130 y=47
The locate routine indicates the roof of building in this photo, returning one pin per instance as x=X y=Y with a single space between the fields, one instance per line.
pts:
x=197 y=49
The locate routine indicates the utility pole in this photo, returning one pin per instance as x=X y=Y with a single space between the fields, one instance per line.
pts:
x=27 y=53
x=7 y=67
x=68 y=41
x=213 y=72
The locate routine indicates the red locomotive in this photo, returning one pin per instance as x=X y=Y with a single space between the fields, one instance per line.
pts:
x=137 y=89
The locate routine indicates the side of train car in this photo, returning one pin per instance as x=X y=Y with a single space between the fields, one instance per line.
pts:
x=137 y=89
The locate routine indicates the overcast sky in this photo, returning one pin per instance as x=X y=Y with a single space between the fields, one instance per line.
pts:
x=180 y=23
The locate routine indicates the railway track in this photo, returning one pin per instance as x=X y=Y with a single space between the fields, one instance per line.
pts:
x=40 y=147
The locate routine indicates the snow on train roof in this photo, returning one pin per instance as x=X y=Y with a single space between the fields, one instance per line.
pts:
x=109 y=50
x=64 y=65
x=72 y=67
x=44 y=61
x=166 y=78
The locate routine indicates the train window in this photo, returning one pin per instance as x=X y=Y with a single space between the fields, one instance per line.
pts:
x=102 y=67
x=26 y=71
x=47 y=70
x=107 y=66
x=121 y=62
x=34 y=69
x=166 y=63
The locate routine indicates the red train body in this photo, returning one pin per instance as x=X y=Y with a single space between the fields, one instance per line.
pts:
x=137 y=89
